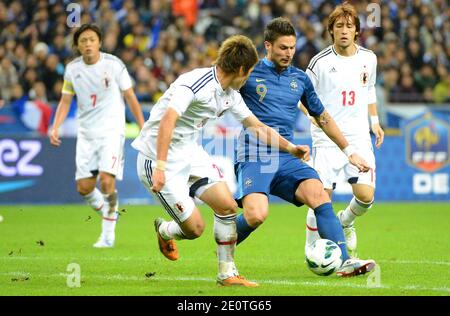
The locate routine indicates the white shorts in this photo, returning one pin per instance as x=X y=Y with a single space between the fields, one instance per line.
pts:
x=104 y=154
x=189 y=172
x=329 y=162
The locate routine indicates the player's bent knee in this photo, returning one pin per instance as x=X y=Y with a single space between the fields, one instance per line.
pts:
x=84 y=189
x=228 y=208
x=194 y=232
x=255 y=217
x=366 y=197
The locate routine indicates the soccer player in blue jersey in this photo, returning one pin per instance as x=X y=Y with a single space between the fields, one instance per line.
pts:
x=273 y=92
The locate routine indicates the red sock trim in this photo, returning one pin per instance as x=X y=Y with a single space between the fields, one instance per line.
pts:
x=110 y=219
x=310 y=228
x=224 y=243
x=98 y=209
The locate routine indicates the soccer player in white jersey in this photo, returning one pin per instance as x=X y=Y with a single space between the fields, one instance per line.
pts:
x=343 y=75
x=175 y=168
x=98 y=80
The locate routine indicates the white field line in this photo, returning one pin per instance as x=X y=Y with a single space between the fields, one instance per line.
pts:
x=120 y=277
x=14 y=257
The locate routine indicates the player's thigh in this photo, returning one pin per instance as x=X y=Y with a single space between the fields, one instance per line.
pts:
x=328 y=162
x=289 y=177
x=174 y=195
x=86 y=158
x=111 y=155
x=311 y=193
x=220 y=199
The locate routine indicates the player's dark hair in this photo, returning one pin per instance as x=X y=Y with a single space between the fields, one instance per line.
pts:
x=235 y=52
x=278 y=27
x=85 y=27
x=347 y=11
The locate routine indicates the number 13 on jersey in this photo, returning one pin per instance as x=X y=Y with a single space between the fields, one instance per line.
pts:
x=348 y=98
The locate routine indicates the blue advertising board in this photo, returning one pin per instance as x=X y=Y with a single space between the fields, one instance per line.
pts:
x=414 y=166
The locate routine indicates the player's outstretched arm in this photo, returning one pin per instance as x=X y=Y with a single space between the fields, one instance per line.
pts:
x=61 y=113
x=166 y=127
x=329 y=126
x=134 y=106
x=272 y=138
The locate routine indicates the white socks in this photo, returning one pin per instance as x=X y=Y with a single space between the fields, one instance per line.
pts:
x=312 y=233
x=102 y=205
x=226 y=237
x=95 y=200
x=171 y=230
x=110 y=214
x=354 y=209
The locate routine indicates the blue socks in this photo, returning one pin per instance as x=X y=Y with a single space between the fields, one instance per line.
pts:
x=243 y=228
x=330 y=228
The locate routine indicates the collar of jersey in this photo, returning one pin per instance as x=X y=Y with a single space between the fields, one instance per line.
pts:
x=270 y=64
x=214 y=70
x=101 y=57
x=336 y=53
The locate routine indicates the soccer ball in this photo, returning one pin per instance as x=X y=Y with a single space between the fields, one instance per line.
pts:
x=324 y=257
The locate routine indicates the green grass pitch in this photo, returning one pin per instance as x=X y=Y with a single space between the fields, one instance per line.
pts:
x=410 y=242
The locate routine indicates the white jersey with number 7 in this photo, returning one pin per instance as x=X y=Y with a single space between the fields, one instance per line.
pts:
x=98 y=88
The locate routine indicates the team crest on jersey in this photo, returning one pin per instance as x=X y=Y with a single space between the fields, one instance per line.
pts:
x=179 y=206
x=106 y=82
x=364 y=77
x=427 y=143
x=293 y=85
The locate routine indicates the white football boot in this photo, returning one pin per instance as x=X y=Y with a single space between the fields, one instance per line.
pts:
x=105 y=241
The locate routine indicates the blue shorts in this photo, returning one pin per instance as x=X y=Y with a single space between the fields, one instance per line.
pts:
x=281 y=181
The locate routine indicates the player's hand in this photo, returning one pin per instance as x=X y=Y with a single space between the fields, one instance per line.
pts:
x=158 y=179
x=358 y=162
x=302 y=152
x=379 y=134
x=54 y=137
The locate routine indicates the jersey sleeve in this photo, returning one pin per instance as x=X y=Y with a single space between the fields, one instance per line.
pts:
x=124 y=79
x=67 y=87
x=310 y=99
x=372 y=97
x=180 y=97
x=312 y=75
x=239 y=109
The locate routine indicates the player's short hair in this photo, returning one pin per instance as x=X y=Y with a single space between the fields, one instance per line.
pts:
x=345 y=10
x=278 y=27
x=85 y=27
x=235 y=52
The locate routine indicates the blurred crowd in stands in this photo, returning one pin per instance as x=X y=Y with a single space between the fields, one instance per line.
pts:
x=159 y=39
